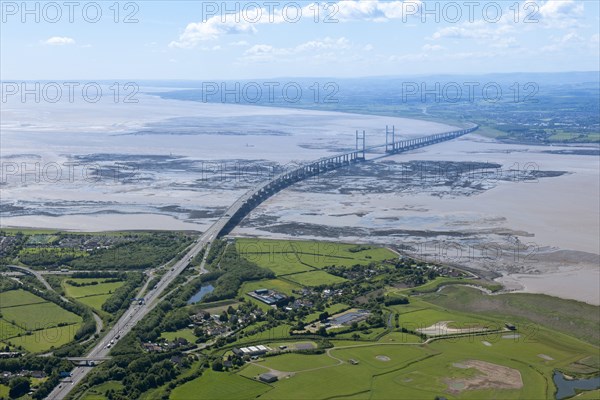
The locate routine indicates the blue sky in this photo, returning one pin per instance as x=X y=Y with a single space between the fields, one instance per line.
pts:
x=198 y=40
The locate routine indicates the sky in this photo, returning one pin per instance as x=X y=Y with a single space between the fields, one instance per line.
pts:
x=200 y=40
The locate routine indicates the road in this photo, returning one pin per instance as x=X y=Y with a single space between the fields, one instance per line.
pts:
x=136 y=312
x=39 y=277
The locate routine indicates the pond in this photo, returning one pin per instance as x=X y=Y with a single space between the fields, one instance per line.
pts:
x=204 y=290
x=566 y=387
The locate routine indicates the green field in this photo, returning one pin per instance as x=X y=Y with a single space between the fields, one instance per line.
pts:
x=18 y=298
x=97 y=392
x=285 y=257
x=186 y=333
x=314 y=278
x=400 y=337
x=93 y=296
x=281 y=331
x=8 y=330
x=297 y=362
x=28 y=312
x=4 y=392
x=39 y=316
x=46 y=339
x=90 y=290
x=95 y=302
x=432 y=376
x=524 y=308
x=219 y=386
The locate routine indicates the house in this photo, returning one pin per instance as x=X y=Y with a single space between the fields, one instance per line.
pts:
x=151 y=347
x=177 y=360
x=37 y=374
x=267 y=378
x=10 y=354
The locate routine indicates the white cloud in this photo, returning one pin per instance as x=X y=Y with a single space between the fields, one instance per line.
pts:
x=212 y=29
x=322 y=48
x=431 y=47
x=481 y=30
x=241 y=43
x=245 y=21
x=554 y=9
x=566 y=42
x=58 y=41
x=372 y=10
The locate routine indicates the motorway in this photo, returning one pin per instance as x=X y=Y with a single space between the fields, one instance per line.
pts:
x=136 y=311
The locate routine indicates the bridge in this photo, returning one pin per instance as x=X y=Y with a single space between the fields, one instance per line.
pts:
x=238 y=211
x=87 y=361
x=234 y=214
x=394 y=147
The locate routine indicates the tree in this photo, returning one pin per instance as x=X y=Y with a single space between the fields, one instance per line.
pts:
x=18 y=387
x=217 y=366
x=223 y=317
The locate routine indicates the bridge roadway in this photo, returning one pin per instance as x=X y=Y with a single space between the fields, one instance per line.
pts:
x=235 y=213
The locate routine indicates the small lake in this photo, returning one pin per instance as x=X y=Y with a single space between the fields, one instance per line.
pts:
x=566 y=388
x=204 y=290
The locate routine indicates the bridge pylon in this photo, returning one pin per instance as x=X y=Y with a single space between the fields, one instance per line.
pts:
x=389 y=146
x=360 y=137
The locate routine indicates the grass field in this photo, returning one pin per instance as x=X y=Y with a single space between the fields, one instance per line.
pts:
x=93 y=296
x=18 y=298
x=286 y=257
x=524 y=355
x=338 y=380
x=219 y=386
x=90 y=290
x=186 y=333
x=8 y=330
x=216 y=307
x=281 y=331
x=4 y=392
x=524 y=308
x=23 y=311
x=46 y=339
x=39 y=316
x=314 y=278
x=97 y=392
x=95 y=301
x=297 y=362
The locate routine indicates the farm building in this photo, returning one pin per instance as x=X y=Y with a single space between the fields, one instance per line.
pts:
x=349 y=317
x=251 y=350
x=268 y=378
x=270 y=297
